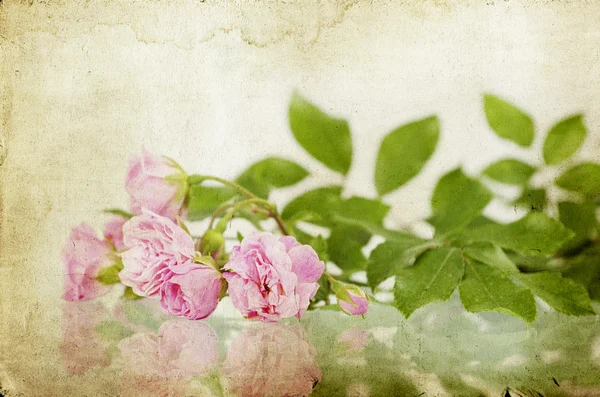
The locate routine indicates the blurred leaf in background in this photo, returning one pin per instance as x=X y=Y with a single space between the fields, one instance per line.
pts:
x=327 y=139
x=404 y=152
x=508 y=121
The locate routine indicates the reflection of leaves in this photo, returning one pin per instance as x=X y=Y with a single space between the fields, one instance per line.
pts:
x=139 y=314
x=113 y=331
x=442 y=340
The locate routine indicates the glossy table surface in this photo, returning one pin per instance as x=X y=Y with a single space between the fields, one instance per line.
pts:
x=129 y=348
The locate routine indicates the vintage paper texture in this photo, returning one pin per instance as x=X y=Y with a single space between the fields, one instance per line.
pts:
x=84 y=84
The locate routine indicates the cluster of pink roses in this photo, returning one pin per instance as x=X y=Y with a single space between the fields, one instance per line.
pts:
x=267 y=277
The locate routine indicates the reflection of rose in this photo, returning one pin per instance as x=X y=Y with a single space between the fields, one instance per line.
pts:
x=272 y=360
x=354 y=339
x=81 y=347
x=160 y=365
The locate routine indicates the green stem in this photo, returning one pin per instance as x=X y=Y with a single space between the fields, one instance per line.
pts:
x=238 y=205
x=275 y=215
x=198 y=179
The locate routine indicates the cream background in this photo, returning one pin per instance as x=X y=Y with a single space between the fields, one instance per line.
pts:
x=208 y=83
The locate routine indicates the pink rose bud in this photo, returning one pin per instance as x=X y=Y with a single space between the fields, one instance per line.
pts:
x=359 y=304
x=148 y=189
x=191 y=291
x=272 y=360
x=84 y=255
x=272 y=277
x=113 y=232
x=155 y=245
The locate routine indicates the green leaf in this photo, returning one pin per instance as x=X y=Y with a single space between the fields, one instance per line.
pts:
x=583 y=178
x=532 y=199
x=319 y=244
x=534 y=234
x=373 y=228
x=434 y=277
x=580 y=218
x=510 y=171
x=204 y=200
x=508 y=121
x=389 y=257
x=119 y=212
x=587 y=273
x=321 y=201
x=130 y=295
x=109 y=275
x=564 y=139
x=456 y=200
x=491 y=255
x=360 y=208
x=563 y=294
x=404 y=152
x=272 y=172
x=344 y=248
x=113 y=331
x=324 y=289
x=485 y=289
x=326 y=138
x=305 y=216
x=341 y=291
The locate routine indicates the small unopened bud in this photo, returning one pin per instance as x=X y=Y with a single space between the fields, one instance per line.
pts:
x=212 y=242
x=352 y=300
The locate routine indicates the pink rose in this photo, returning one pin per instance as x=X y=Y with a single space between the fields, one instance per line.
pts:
x=361 y=304
x=113 y=232
x=272 y=360
x=84 y=255
x=81 y=347
x=155 y=246
x=191 y=291
x=162 y=364
x=271 y=278
x=148 y=188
